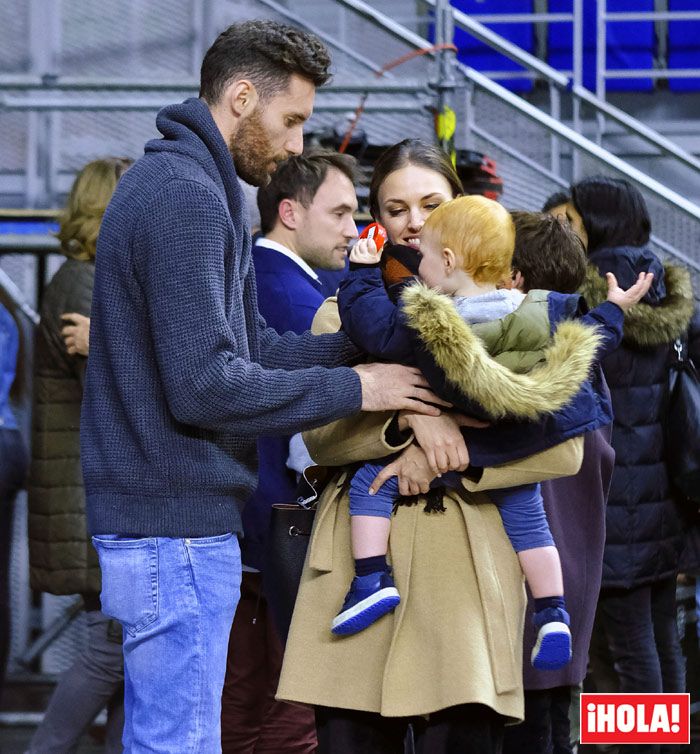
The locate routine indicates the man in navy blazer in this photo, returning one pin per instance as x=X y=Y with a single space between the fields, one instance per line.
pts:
x=306 y=220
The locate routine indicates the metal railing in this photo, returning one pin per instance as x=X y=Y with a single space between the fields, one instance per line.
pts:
x=560 y=82
x=551 y=124
x=51 y=94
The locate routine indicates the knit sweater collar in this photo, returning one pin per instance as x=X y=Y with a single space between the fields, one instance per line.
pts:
x=189 y=129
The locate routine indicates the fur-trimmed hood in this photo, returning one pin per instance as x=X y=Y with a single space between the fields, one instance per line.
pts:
x=646 y=325
x=459 y=352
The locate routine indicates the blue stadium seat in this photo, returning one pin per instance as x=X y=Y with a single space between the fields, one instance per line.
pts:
x=684 y=46
x=483 y=58
x=630 y=44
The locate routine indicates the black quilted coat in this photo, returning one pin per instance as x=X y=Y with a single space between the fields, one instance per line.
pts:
x=61 y=557
x=644 y=526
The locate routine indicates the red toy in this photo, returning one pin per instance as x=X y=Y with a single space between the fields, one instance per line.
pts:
x=375 y=232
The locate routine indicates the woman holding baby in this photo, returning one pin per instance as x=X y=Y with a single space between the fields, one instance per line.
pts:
x=448 y=660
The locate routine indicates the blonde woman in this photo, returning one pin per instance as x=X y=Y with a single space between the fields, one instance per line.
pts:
x=62 y=560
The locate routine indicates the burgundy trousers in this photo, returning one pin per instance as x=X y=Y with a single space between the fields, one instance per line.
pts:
x=252 y=721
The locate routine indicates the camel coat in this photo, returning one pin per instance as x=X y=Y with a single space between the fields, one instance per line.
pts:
x=456 y=637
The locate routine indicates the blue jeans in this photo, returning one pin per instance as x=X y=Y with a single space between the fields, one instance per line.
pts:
x=175 y=599
x=521 y=508
x=13 y=469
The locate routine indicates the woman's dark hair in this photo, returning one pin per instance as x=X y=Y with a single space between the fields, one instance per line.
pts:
x=556 y=200
x=267 y=53
x=613 y=212
x=411 y=152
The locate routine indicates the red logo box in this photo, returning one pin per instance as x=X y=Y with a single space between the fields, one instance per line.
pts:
x=635 y=718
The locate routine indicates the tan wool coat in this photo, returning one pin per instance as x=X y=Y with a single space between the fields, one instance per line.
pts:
x=456 y=637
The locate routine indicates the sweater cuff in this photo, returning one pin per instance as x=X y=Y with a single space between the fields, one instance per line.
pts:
x=357 y=266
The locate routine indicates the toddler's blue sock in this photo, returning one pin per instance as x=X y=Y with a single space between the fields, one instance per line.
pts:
x=542 y=603
x=365 y=566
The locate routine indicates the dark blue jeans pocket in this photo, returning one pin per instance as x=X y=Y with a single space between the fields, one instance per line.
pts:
x=129 y=580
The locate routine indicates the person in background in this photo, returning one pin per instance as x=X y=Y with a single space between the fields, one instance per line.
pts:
x=549 y=255
x=636 y=615
x=76 y=333
x=556 y=204
x=61 y=557
x=306 y=216
x=13 y=465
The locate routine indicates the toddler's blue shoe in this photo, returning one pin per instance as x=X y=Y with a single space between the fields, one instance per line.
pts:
x=552 y=649
x=369 y=598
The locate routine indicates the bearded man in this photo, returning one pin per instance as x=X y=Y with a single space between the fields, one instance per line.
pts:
x=183 y=376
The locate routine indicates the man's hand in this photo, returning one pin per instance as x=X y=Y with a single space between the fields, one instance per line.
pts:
x=391 y=387
x=440 y=438
x=633 y=295
x=76 y=334
x=365 y=252
x=412 y=470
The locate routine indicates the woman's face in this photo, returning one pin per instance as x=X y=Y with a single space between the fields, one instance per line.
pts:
x=576 y=222
x=406 y=198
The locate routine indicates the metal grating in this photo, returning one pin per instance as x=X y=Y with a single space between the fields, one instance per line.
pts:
x=128 y=38
x=523 y=155
x=14 y=32
x=83 y=137
x=13 y=143
x=64 y=650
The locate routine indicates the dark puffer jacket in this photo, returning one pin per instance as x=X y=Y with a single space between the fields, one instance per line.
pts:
x=61 y=557
x=644 y=528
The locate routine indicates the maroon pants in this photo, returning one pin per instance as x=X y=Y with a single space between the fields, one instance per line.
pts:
x=252 y=722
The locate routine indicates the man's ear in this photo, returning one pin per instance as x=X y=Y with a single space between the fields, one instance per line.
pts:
x=518 y=280
x=287 y=214
x=242 y=97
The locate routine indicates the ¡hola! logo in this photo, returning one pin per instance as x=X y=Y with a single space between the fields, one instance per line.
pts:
x=635 y=718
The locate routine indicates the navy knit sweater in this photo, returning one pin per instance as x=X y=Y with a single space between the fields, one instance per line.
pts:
x=183 y=374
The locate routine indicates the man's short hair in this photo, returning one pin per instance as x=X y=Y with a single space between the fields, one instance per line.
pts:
x=548 y=253
x=299 y=178
x=265 y=52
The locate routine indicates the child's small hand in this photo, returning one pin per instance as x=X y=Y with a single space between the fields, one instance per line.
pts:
x=633 y=295
x=365 y=252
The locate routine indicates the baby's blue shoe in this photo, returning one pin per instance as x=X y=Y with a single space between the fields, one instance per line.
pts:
x=369 y=598
x=552 y=649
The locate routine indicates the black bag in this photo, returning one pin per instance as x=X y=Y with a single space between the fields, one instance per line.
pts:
x=683 y=423
x=288 y=541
